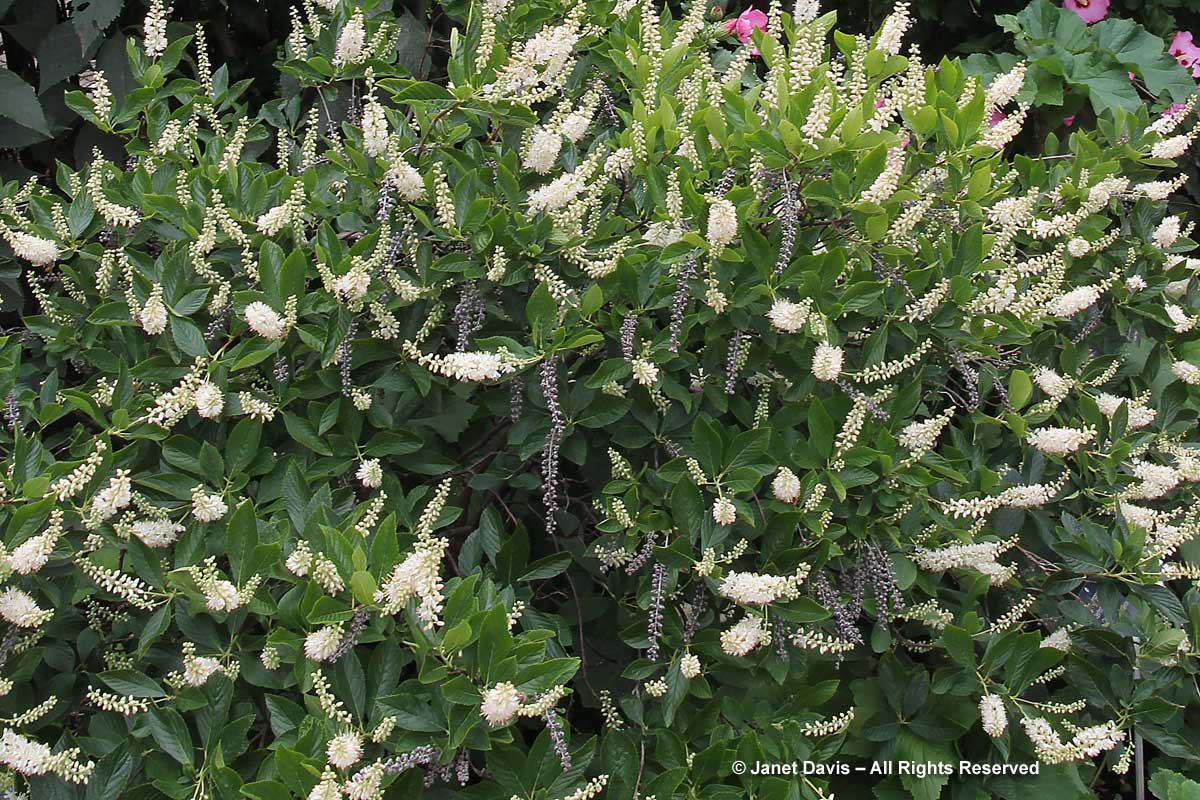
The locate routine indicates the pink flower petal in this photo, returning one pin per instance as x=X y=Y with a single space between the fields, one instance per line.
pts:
x=755 y=18
x=1186 y=52
x=1069 y=121
x=1088 y=10
x=747 y=23
x=1181 y=44
x=995 y=119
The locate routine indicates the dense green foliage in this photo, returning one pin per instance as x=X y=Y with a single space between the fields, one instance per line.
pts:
x=636 y=402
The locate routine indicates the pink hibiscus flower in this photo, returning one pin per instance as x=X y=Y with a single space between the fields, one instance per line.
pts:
x=745 y=24
x=1069 y=121
x=1186 y=52
x=1088 y=10
x=995 y=119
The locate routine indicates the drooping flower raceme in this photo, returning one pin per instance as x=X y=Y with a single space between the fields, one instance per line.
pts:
x=405 y=179
x=30 y=757
x=724 y=512
x=1187 y=372
x=827 y=362
x=264 y=321
x=749 y=588
x=18 y=608
x=155 y=28
x=1060 y=441
x=153 y=315
x=992 y=714
x=473 y=366
x=500 y=704
x=156 y=532
x=786 y=486
x=1050 y=382
x=789 y=317
x=419 y=575
x=722 y=223
x=689 y=666
x=1074 y=301
x=113 y=497
x=983 y=313
x=370 y=473
x=323 y=643
x=34 y=249
x=345 y=749
x=209 y=399
x=350 y=41
x=744 y=637
x=207 y=507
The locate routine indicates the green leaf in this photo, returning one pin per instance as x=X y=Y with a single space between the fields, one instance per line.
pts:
x=70 y=45
x=1141 y=51
x=709 y=449
x=749 y=448
x=155 y=627
x=131 y=683
x=960 y=646
x=188 y=337
x=820 y=428
x=241 y=538
x=547 y=567
x=1168 y=785
x=457 y=637
x=242 y=446
x=541 y=312
x=687 y=507
x=19 y=104
x=170 y=732
x=802 y=610
x=298 y=772
x=592 y=301
x=112 y=773
x=1020 y=387
x=291 y=276
x=1107 y=83
x=495 y=642
x=266 y=790
x=362 y=586
x=407 y=90
x=303 y=432
x=913 y=748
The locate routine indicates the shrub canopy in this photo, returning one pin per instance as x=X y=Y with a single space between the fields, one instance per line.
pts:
x=650 y=396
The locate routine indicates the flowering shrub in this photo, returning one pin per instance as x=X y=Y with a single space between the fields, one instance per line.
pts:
x=630 y=405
